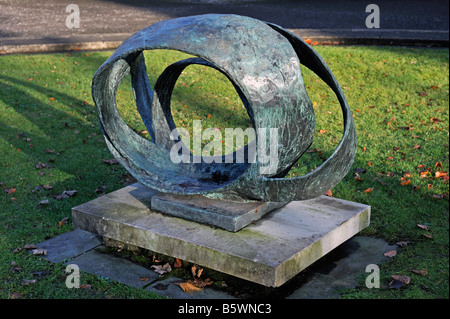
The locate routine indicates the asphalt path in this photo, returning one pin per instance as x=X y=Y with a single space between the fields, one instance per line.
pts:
x=41 y=24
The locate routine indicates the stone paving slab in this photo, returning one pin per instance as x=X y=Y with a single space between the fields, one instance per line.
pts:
x=69 y=245
x=339 y=270
x=360 y=252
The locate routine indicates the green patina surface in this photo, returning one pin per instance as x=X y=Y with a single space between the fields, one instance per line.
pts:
x=262 y=61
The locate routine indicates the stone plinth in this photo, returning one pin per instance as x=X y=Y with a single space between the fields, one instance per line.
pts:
x=269 y=251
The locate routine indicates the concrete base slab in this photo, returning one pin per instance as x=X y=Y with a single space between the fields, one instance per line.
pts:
x=268 y=252
x=226 y=214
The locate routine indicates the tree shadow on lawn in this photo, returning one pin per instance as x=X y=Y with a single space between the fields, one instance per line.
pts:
x=386 y=198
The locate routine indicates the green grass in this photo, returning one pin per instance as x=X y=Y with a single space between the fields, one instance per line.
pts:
x=399 y=98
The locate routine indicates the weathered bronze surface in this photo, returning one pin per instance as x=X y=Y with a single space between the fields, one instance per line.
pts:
x=262 y=60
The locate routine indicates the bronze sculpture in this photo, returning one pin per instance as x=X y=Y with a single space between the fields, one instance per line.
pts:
x=262 y=60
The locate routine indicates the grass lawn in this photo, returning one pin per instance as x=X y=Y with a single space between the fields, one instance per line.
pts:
x=50 y=142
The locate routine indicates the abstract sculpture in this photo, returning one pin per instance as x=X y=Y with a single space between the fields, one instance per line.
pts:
x=262 y=61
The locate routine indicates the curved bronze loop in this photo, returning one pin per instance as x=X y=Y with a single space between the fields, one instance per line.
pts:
x=262 y=61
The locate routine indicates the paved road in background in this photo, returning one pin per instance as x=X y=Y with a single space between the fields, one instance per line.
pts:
x=37 y=23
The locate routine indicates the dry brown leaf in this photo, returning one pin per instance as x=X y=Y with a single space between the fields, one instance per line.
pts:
x=423 y=226
x=200 y=282
x=368 y=190
x=27 y=282
x=403 y=279
x=427 y=236
x=189 y=288
x=177 y=263
x=402 y=243
x=406 y=182
x=422 y=272
x=39 y=252
x=391 y=253
x=110 y=161
x=161 y=269
x=196 y=271
x=29 y=246
x=329 y=193
x=14 y=267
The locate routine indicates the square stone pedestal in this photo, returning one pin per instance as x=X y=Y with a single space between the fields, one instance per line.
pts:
x=269 y=251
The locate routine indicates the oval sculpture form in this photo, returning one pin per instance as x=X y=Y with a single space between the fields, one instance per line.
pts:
x=262 y=61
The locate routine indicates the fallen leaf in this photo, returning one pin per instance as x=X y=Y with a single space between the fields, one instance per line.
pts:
x=357 y=177
x=315 y=43
x=144 y=278
x=189 y=288
x=424 y=174
x=329 y=193
x=29 y=246
x=10 y=190
x=49 y=151
x=47 y=187
x=395 y=284
x=440 y=174
x=404 y=183
x=177 y=263
x=200 y=283
x=322 y=131
x=390 y=253
x=39 y=252
x=438 y=164
x=368 y=190
x=417 y=147
x=85 y=286
x=161 y=269
x=309 y=41
x=110 y=161
x=42 y=165
x=423 y=226
x=43 y=202
x=14 y=295
x=422 y=272
x=402 y=243
x=28 y=282
x=369 y=163
x=70 y=193
x=427 y=236
x=435 y=119
x=63 y=221
x=403 y=279
x=14 y=267
x=196 y=271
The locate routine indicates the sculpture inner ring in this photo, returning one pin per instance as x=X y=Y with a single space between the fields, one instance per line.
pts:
x=262 y=61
